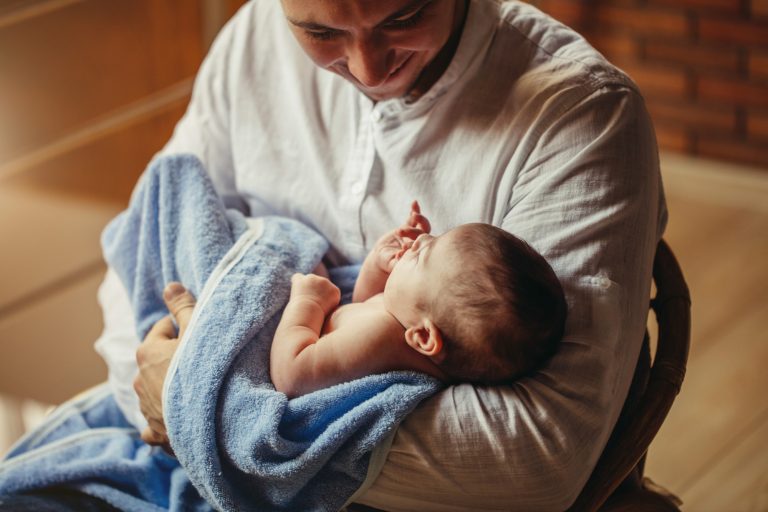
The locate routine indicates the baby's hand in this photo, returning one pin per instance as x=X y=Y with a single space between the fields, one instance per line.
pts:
x=416 y=220
x=317 y=288
x=393 y=245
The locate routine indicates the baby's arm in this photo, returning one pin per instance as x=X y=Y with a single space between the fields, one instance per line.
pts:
x=301 y=361
x=381 y=260
x=312 y=298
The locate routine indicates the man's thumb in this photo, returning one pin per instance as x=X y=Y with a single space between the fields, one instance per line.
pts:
x=180 y=304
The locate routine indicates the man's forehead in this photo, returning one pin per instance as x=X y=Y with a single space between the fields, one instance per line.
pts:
x=339 y=13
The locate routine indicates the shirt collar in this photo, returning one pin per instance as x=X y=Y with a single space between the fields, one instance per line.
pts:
x=479 y=27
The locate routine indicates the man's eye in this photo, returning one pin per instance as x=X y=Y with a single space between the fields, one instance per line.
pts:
x=407 y=21
x=320 y=35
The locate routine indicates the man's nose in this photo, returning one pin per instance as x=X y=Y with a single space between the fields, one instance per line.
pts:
x=368 y=61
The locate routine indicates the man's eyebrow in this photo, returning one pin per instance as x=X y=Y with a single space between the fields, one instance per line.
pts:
x=308 y=25
x=409 y=8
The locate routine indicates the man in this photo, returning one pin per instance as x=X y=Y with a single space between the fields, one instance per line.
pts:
x=340 y=112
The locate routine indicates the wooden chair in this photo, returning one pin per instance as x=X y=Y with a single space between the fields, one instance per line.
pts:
x=617 y=483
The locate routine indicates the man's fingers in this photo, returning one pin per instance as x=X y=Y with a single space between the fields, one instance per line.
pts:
x=149 y=436
x=180 y=303
x=163 y=328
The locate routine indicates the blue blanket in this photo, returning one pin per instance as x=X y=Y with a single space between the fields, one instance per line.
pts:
x=239 y=444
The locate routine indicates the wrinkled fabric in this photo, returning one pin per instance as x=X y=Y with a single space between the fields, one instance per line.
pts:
x=272 y=454
x=529 y=129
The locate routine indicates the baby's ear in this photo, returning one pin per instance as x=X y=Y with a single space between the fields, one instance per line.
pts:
x=425 y=338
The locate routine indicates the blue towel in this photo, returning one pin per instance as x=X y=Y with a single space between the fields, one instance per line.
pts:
x=240 y=444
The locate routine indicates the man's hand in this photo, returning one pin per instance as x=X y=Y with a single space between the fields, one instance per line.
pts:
x=154 y=356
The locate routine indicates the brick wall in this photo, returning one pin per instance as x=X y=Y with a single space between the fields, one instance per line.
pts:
x=702 y=66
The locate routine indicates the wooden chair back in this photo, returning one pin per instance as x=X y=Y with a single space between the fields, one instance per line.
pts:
x=654 y=387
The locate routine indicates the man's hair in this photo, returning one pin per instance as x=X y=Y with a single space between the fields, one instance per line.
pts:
x=505 y=312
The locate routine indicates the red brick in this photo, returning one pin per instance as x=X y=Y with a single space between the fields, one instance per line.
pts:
x=726 y=6
x=642 y=20
x=573 y=13
x=232 y=7
x=759 y=8
x=616 y=45
x=734 y=150
x=733 y=31
x=757 y=124
x=758 y=64
x=733 y=92
x=673 y=138
x=657 y=81
x=696 y=56
x=693 y=115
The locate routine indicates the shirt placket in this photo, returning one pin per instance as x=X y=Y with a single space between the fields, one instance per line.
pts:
x=356 y=176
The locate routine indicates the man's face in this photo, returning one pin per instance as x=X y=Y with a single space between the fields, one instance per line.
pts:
x=381 y=46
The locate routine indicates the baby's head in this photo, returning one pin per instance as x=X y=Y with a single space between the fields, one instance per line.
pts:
x=481 y=303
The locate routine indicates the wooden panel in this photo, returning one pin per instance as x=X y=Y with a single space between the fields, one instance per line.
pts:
x=233 y=6
x=61 y=69
x=47 y=348
x=105 y=168
x=52 y=238
x=52 y=216
x=82 y=111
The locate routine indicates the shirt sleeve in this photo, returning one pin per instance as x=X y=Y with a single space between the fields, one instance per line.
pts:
x=590 y=201
x=117 y=346
x=204 y=130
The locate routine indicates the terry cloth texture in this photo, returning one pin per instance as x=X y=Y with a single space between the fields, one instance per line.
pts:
x=239 y=444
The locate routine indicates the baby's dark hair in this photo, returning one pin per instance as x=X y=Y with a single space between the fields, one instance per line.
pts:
x=505 y=313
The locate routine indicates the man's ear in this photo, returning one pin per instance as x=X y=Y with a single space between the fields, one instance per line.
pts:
x=425 y=338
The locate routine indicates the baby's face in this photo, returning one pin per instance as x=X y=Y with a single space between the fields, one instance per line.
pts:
x=419 y=275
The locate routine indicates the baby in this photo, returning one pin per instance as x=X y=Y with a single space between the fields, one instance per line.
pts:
x=474 y=304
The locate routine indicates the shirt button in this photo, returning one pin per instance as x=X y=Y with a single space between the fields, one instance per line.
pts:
x=603 y=282
x=357 y=188
x=376 y=116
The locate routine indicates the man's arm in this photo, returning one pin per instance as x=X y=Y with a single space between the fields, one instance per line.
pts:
x=592 y=205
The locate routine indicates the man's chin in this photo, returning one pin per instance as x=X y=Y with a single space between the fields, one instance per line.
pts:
x=381 y=96
x=385 y=93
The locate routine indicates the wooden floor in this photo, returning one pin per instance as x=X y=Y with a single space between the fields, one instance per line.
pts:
x=713 y=449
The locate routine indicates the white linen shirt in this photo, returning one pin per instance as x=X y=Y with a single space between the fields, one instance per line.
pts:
x=529 y=129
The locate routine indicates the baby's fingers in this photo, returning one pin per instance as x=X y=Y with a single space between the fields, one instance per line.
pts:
x=408 y=234
x=417 y=220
